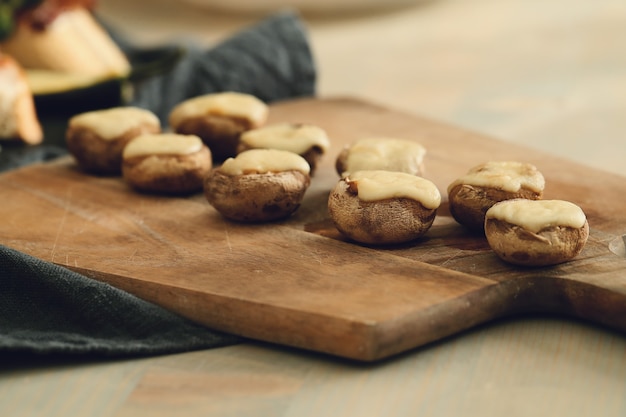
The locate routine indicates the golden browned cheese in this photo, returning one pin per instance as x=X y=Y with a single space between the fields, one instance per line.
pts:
x=471 y=195
x=261 y=161
x=162 y=144
x=536 y=232
x=166 y=163
x=219 y=120
x=307 y=140
x=508 y=176
x=383 y=185
x=97 y=139
x=111 y=123
x=293 y=137
x=380 y=153
x=535 y=215
x=227 y=104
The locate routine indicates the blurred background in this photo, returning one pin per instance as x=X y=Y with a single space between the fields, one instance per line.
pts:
x=549 y=74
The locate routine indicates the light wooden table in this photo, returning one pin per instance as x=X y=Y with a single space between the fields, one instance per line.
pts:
x=548 y=74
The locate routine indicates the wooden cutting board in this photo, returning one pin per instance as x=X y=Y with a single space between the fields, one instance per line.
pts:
x=298 y=282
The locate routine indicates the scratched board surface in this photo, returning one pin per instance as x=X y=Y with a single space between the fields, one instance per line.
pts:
x=300 y=283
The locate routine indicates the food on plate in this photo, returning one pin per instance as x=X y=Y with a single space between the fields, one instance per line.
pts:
x=381 y=153
x=97 y=138
x=258 y=185
x=383 y=207
x=63 y=35
x=166 y=163
x=536 y=232
x=471 y=195
x=18 y=118
x=307 y=140
x=219 y=119
x=57 y=35
x=38 y=14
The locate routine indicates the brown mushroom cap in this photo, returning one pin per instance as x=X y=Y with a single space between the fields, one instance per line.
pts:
x=219 y=133
x=470 y=196
x=380 y=153
x=97 y=138
x=554 y=232
x=166 y=163
x=219 y=119
x=256 y=197
x=307 y=140
x=468 y=203
x=258 y=185
x=381 y=221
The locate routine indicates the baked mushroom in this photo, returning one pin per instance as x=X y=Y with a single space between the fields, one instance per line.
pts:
x=166 y=163
x=97 y=138
x=379 y=153
x=219 y=119
x=471 y=195
x=258 y=185
x=307 y=140
x=383 y=207
x=536 y=232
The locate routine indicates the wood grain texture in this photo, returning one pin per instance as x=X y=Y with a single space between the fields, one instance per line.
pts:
x=298 y=282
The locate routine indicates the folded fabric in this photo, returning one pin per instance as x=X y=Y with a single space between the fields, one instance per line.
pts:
x=272 y=61
x=47 y=309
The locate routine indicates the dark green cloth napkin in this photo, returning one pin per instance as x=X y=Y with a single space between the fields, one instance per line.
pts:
x=47 y=309
x=271 y=61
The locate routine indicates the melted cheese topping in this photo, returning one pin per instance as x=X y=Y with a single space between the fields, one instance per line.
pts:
x=381 y=185
x=162 y=144
x=112 y=123
x=297 y=138
x=508 y=176
x=262 y=161
x=232 y=104
x=387 y=154
x=535 y=215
